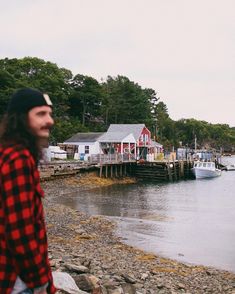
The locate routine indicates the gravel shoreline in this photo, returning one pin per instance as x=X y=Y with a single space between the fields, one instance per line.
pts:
x=87 y=248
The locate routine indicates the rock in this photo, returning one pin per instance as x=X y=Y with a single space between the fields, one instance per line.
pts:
x=117 y=290
x=129 y=278
x=87 y=282
x=144 y=276
x=181 y=286
x=100 y=290
x=109 y=284
x=118 y=278
x=64 y=282
x=76 y=268
x=128 y=288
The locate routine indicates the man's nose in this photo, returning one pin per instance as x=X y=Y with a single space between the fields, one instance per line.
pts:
x=50 y=120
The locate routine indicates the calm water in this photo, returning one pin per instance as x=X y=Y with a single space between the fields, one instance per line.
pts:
x=191 y=221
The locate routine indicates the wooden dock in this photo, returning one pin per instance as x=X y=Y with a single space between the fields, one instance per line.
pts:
x=153 y=171
x=55 y=169
x=164 y=170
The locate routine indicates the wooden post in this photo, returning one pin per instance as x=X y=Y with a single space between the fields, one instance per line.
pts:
x=111 y=171
x=121 y=170
x=188 y=168
x=116 y=170
x=169 y=172
x=101 y=171
x=175 y=171
x=106 y=171
x=181 y=168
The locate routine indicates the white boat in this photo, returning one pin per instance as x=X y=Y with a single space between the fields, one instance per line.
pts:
x=205 y=169
x=230 y=167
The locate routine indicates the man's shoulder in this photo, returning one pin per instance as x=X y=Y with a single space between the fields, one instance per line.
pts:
x=13 y=152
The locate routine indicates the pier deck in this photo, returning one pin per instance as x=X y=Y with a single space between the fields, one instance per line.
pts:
x=156 y=171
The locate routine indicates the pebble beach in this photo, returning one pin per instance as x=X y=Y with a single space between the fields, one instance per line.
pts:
x=87 y=248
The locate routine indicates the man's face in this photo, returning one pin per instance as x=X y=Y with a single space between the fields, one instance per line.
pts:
x=40 y=121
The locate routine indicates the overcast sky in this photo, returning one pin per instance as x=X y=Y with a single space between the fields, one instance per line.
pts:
x=183 y=49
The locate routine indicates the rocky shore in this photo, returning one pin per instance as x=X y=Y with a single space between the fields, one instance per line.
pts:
x=87 y=248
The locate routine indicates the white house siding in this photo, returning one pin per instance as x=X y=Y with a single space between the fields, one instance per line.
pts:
x=87 y=144
x=94 y=148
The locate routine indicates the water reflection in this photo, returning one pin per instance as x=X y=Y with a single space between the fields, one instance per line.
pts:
x=123 y=201
x=192 y=221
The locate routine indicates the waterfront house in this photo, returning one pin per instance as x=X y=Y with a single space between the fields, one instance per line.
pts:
x=122 y=143
x=141 y=134
x=85 y=144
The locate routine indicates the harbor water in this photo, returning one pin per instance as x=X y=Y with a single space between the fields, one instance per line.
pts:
x=191 y=221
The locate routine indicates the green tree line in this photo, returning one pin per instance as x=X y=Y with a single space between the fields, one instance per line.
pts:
x=82 y=104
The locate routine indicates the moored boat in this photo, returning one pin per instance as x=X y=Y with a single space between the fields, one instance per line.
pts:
x=205 y=169
x=230 y=167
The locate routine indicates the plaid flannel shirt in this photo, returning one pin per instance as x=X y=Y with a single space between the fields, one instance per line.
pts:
x=23 y=240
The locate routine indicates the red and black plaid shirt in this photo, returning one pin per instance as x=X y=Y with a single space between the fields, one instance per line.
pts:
x=23 y=240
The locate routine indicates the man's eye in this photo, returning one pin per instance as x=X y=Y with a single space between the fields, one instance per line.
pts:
x=41 y=113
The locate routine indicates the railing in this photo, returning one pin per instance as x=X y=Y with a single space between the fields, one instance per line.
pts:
x=111 y=158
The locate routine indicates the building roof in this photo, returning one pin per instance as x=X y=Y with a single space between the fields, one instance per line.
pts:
x=84 y=137
x=116 y=137
x=156 y=144
x=135 y=129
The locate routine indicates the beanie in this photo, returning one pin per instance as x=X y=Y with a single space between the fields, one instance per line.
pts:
x=25 y=99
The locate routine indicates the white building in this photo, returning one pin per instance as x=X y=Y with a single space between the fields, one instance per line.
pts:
x=86 y=144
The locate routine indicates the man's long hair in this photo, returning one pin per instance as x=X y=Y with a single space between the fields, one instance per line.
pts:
x=14 y=130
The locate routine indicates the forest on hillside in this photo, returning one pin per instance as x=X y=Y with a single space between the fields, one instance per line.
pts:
x=82 y=104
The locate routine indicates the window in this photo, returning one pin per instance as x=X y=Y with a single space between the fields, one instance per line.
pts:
x=86 y=149
x=146 y=138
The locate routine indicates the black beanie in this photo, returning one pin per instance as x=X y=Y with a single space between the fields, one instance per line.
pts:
x=25 y=99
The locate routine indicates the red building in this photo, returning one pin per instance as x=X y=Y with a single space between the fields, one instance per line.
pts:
x=141 y=134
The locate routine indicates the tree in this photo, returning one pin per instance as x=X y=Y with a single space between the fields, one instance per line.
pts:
x=125 y=101
x=85 y=100
x=160 y=114
x=36 y=73
x=7 y=83
x=64 y=128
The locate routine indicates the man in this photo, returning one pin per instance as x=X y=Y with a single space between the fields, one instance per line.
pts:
x=24 y=264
